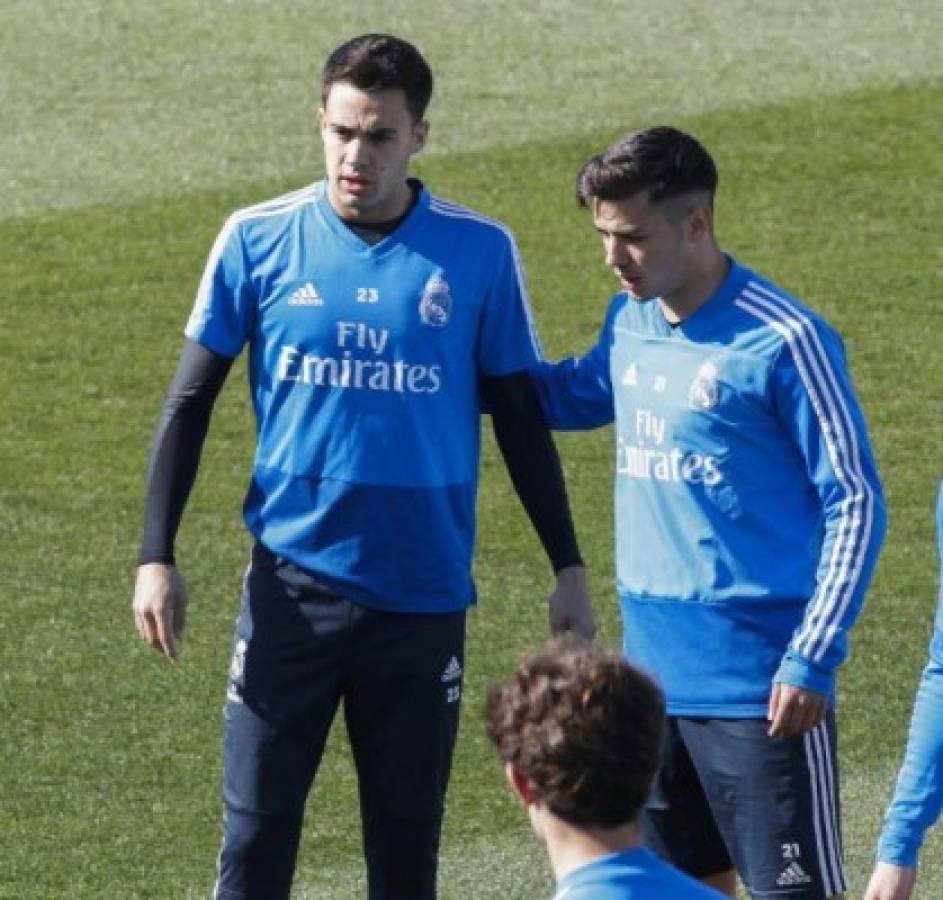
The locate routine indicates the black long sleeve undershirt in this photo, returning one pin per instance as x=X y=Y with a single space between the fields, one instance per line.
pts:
x=523 y=438
x=178 y=442
x=533 y=463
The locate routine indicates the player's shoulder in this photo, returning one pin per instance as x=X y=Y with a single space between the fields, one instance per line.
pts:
x=768 y=309
x=456 y=216
x=262 y=228
x=276 y=214
x=282 y=205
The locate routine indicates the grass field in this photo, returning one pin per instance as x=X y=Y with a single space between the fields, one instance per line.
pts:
x=129 y=131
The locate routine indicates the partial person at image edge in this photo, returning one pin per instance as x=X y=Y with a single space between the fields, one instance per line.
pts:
x=918 y=797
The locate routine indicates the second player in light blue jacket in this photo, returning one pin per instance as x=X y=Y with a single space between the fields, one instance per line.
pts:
x=748 y=508
x=749 y=515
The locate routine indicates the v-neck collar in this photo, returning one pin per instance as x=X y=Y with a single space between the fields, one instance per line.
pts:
x=388 y=243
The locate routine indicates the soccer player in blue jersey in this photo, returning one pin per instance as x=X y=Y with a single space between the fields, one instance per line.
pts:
x=749 y=515
x=579 y=732
x=377 y=318
x=918 y=798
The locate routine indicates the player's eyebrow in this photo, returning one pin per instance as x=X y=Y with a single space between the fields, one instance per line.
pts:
x=369 y=133
x=622 y=232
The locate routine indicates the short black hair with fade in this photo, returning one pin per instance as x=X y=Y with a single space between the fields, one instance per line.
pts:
x=379 y=62
x=665 y=162
x=584 y=728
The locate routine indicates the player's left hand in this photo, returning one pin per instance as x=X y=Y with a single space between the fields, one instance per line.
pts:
x=160 y=607
x=890 y=882
x=794 y=711
x=570 y=607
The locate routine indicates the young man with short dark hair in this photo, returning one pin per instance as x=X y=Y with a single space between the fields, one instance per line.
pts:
x=579 y=732
x=749 y=516
x=377 y=317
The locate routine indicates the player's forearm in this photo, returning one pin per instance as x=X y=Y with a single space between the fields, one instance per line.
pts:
x=175 y=458
x=534 y=466
x=538 y=479
x=176 y=449
x=575 y=394
x=854 y=534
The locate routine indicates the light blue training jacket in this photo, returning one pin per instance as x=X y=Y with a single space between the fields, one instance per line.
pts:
x=749 y=511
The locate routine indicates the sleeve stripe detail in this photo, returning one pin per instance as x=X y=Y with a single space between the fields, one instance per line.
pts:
x=282 y=204
x=837 y=586
x=454 y=211
x=849 y=550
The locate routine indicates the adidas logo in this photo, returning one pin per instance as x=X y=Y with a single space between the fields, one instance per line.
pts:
x=452 y=671
x=306 y=296
x=793 y=874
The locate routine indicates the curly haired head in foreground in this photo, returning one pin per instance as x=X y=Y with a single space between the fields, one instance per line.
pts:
x=580 y=729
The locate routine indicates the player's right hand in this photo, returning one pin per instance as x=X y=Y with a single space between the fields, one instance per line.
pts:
x=794 y=711
x=570 y=606
x=890 y=882
x=160 y=607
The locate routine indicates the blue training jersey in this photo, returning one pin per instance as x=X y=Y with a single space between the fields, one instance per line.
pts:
x=749 y=513
x=364 y=362
x=918 y=798
x=631 y=875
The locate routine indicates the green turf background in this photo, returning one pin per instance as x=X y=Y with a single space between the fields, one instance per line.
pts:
x=128 y=131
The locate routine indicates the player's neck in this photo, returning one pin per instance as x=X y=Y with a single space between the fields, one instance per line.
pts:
x=704 y=280
x=570 y=847
x=394 y=211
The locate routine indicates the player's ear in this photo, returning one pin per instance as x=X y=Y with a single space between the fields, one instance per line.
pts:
x=420 y=135
x=519 y=785
x=320 y=118
x=700 y=222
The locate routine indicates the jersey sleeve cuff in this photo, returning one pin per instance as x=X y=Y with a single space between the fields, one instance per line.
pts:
x=567 y=560
x=156 y=556
x=898 y=851
x=800 y=672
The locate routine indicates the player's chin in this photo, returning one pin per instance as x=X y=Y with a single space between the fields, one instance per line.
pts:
x=632 y=285
x=354 y=192
x=356 y=207
x=356 y=202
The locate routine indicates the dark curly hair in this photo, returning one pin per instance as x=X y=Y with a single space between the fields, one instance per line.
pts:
x=666 y=162
x=584 y=728
x=379 y=62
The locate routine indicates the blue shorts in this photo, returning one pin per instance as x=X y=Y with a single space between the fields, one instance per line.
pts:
x=729 y=796
x=299 y=650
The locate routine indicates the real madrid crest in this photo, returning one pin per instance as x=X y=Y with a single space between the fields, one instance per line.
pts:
x=435 y=307
x=703 y=393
